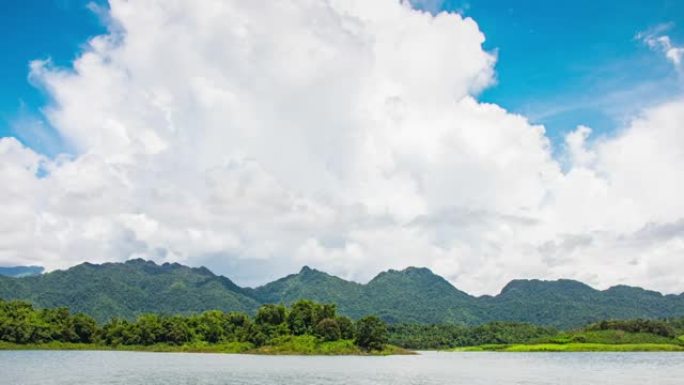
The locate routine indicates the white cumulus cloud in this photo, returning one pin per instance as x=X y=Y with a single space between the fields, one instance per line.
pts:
x=255 y=137
x=657 y=40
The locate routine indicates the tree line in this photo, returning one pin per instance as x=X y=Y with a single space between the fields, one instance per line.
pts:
x=445 y=336
x=666 y=328
x=21 y=323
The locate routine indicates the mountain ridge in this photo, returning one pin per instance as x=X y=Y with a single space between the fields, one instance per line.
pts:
x=411 y=295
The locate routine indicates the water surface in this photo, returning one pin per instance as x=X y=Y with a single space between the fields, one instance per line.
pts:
x=134 y=368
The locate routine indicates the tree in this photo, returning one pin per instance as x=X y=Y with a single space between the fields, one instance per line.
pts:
x=371 y=333
x=210 y=326
x=148 y=328
x=175 y=331
x=57 y=326
x=660 y=328
x=300 y=320
x=236 y=326
x=85 y=328
x=21 y=323
x=328 y=330
x=114 y=332
x=323 y=311
x=346 y=327
x=270 y=315
x=256 y=335
x=269 y=324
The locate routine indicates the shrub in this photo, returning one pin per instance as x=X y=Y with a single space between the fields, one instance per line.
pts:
x=371 y=333
x=328 y=330
x=346 y=328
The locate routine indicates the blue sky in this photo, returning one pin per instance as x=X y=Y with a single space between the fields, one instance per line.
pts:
x=560 y=64
x=37 y=29
x=568 y=63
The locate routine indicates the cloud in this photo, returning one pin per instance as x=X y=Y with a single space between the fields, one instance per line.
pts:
x=347 y=135
x=658 y=41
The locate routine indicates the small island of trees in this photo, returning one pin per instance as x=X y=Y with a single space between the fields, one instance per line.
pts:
x=304 y=328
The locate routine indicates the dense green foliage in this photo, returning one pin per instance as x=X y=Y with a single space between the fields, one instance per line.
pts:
x=371 y=333
x=127 y=290
x=505 y=335
x=414 y=295
x=273 y=327
x=417 y=336
x=312 y=328
x=417 y=296
x=661 y=328
x=569 y=304
x=328 y=330
x=20 y=323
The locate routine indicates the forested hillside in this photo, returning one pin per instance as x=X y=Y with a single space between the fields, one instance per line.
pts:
x=129 y=289
x=413 y=295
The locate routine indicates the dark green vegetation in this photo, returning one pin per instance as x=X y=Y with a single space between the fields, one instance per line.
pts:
x=21 y=271
x=429 y=337
x=414 y=295
x=617 y=335
x=127 y=290
x=305 y=328
x=312 y=328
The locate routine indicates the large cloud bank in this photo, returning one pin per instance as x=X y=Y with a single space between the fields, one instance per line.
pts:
x=255 y=137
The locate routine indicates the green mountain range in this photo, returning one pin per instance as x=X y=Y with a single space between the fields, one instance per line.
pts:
x=413 y=295
x=129 y=289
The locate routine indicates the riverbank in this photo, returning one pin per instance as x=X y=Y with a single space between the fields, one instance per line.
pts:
x=573 y=347
x=303 y=345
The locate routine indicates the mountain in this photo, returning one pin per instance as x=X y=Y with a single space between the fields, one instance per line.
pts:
x=129 y=289
x=410 y=295
x=420 y=296
x=21 y=271
x=413 y=295
x=317 y=286
x=566 y=303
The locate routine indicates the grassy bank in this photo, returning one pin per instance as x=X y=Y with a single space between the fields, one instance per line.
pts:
x=574 y=347
x=589 y=341
x=308 y=345
x=301 y=345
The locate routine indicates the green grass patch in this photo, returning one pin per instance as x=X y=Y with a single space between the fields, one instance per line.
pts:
x=575 y=347
x=605 y=337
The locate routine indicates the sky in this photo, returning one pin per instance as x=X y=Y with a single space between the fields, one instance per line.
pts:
x=484 y=140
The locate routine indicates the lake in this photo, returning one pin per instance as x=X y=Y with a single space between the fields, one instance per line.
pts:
x=133 y=368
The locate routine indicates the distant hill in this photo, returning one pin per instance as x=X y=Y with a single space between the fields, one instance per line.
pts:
x=418 y=295
x=566 y=303
x=129 y=289
x=21 y=271
x=314 y=285
x=412 y=295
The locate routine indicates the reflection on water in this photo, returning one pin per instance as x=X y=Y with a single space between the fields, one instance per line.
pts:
x=129 y=368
